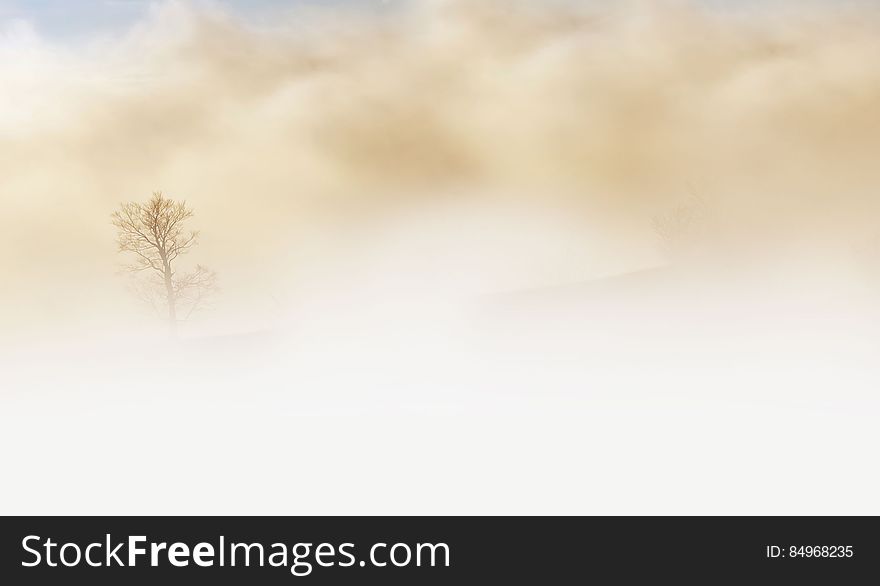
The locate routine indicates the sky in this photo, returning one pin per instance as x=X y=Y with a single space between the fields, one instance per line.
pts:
x=65 y=20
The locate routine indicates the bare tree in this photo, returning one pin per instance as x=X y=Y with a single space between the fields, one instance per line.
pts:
x=153 y=234
x=685 y=228
x=868 y=257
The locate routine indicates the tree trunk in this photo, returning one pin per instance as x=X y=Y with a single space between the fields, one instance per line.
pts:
x=172 y=302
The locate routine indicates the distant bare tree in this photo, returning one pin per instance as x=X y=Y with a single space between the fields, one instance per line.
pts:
x=868 y=256
x=153 y=234
x=685 y=227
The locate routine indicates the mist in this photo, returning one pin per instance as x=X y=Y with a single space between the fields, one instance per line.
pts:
x=553 y=248
x=298 y=144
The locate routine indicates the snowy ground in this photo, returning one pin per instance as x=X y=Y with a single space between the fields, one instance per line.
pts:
x=644 y=394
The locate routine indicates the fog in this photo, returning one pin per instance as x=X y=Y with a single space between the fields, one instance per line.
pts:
x=495 y=257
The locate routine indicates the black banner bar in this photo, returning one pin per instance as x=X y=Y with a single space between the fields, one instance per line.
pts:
x=434 y=550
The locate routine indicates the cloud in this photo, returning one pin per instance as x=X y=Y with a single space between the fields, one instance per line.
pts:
x=297 y=143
